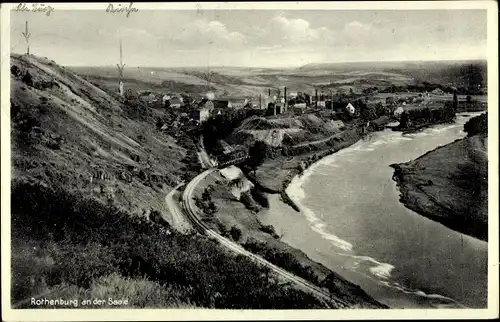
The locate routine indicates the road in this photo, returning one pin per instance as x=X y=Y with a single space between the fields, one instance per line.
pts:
x=179 y=220
x=203 y=157
x=190 y=211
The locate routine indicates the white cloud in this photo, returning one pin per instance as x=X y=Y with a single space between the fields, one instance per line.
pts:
x=204 y=32
x=296 y=31
x=357 y=27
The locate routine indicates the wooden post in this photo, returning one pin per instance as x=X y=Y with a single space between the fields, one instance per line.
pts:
x=27 y=35
x=121 y=67
x=285 y=106
x=316 y=96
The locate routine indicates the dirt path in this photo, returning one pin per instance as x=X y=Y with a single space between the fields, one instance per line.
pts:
x=180 y=223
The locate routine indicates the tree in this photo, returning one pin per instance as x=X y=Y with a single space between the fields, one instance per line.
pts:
x=379 y=109
x=27 y=79
x=205 y=195
x=235 y=233
x=257 y=154
x=455 y=100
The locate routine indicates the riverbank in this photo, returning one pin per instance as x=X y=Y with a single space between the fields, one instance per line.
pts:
x=233 y=219
x=449 y=185
x=362 y=230
x=275 y=175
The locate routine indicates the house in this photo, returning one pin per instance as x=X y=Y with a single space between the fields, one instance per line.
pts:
x=205 y=110
x=234 y=102
x=350 y=108
x=165 y=98
x=148 y=97
x=438 y=91
x=258 y=103
x=299 y=108
x=275 y=108
x=231 y=154
x=281 y=108
x=237 y=103
x=220 y=104
x=300 y=105
x=204 y=114
x=398 y=111
x=176 y=102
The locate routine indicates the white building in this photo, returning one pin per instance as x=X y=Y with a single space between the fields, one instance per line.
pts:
x=350 y=108
x=398 y=111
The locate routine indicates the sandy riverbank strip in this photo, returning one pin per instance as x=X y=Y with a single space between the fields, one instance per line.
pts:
x=274 y=176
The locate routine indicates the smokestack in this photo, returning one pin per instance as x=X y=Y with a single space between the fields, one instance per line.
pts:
x=269 y=94
x=316 y=96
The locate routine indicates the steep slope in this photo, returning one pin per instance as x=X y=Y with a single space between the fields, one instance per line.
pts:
x=284 y=130
x=69 y=132
x=79 y=154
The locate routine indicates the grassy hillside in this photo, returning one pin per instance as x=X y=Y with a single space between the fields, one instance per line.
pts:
x=68 y=132
x=76 y=248
x=88 y=218
x=254 y=81
x=443 y=72
x=450 y=183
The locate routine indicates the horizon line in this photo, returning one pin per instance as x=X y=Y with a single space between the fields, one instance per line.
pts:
x=296 y=66
x=281 y=67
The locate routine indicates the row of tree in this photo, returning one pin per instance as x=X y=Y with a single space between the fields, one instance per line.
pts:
x=429 y=87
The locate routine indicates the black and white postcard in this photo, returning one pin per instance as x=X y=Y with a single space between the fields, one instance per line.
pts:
x=263 y=160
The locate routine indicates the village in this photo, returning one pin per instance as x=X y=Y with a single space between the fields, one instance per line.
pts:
x=190 y=111
x=200 y=108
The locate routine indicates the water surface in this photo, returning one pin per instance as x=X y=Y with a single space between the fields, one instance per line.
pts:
x=352 y=222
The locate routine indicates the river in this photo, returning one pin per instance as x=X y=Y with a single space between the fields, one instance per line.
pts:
x=353 y=223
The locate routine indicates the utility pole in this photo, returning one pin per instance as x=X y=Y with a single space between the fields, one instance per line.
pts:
x=121 y=66
x=209 y=75
x=316 y=96
x=27 y=35
x=285 y=106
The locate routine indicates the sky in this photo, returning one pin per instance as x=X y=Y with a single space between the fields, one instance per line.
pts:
x=252 y=38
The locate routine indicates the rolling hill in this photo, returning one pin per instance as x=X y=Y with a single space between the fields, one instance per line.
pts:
x=249 y=81
x=70 y=132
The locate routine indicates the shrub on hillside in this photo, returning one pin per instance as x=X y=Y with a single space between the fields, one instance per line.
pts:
x=88 y=241
x=259 y=197
x=281 y=258
x=269 y=229
x=235 y=233
x=477 y=125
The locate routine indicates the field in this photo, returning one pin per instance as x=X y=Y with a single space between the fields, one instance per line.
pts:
x=255 y=81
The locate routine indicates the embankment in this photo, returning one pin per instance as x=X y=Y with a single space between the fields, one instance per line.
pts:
x=450 y=184
x=419 y=118
x=235 y=220
x=275 y=175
